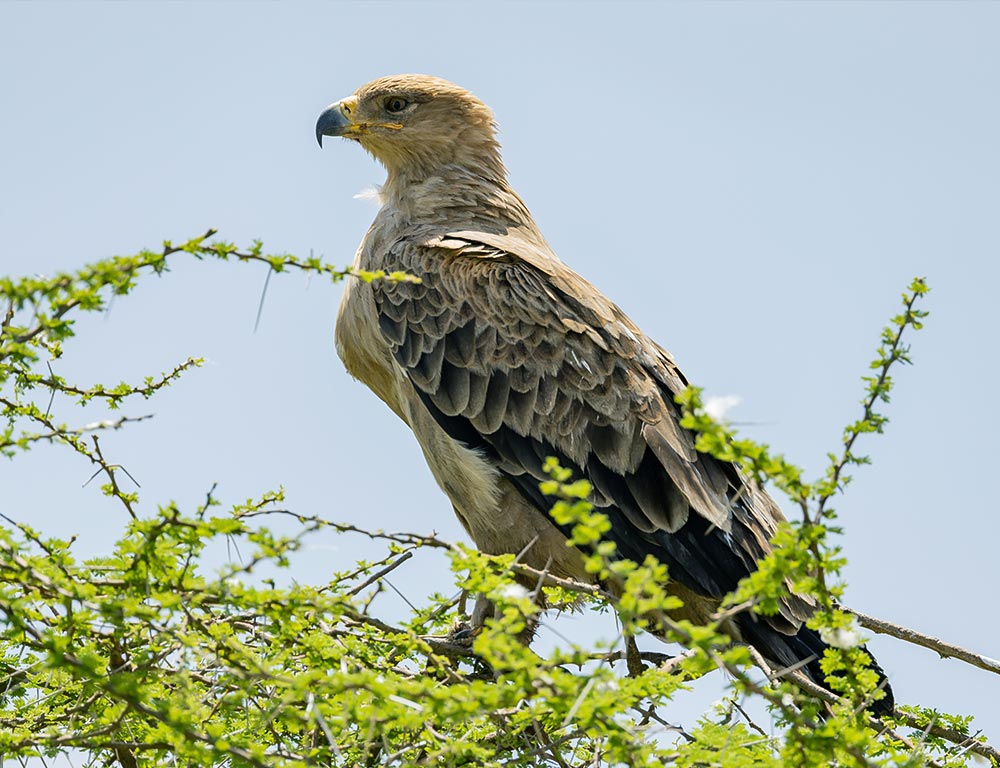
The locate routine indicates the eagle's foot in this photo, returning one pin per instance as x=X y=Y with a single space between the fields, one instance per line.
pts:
x=486 y=609
x=463 y=633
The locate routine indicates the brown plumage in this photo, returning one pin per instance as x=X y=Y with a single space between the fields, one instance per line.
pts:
x=502 y=355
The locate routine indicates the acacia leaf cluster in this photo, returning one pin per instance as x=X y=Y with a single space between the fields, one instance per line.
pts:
x=160 y=653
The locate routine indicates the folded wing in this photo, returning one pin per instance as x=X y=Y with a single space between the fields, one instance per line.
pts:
x=516 y=355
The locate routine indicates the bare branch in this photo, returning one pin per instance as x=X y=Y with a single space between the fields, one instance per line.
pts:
x=388 y=569
x=942 y=647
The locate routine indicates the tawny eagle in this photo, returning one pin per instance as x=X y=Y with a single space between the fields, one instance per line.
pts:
x=502 y=356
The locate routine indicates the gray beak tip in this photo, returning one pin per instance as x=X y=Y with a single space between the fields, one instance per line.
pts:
x=332 y=122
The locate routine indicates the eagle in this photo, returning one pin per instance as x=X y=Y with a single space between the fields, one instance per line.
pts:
x=501 y=356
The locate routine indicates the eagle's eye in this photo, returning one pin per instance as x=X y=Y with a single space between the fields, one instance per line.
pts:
x=396 y=104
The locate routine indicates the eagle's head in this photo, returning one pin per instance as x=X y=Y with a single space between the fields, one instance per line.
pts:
x=416 y=126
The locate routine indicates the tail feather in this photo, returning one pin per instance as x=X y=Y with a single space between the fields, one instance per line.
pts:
x=804 y=651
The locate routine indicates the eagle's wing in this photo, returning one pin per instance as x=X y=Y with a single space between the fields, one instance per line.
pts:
x=515 y=354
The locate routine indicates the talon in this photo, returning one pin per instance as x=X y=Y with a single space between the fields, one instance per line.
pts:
x=463 y=632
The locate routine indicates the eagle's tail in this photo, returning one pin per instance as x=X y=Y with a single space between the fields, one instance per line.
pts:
x=804 y=651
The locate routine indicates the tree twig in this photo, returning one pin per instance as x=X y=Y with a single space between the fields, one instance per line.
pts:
x=378 y=575
x=942 y=647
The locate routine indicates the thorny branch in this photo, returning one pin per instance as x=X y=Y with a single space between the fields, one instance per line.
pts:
x=459 y=650
x=942 y=647
x=443 y=648
x=892 y=351
x=146 y=390
x=901 y=633
x=204 y=615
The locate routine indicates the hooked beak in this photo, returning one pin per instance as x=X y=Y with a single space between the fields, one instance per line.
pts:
x=336 y=119
x=340 y=119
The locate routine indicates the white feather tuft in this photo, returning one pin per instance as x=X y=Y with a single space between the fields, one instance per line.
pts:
x=843 y=637
x=370 y=193
x=717 y=406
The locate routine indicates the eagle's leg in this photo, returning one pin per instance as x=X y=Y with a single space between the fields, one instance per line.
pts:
x=485 y=609
x=632 y=657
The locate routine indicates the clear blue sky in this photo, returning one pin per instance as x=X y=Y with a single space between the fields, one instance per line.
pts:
x=754 y=183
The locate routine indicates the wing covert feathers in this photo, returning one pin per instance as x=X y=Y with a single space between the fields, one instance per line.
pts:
x=515 y=354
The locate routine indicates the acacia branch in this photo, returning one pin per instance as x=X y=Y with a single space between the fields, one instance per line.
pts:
x=942 y=647
x=378 y=575
x=151 y=386
x=891 y=351
x=962 y=740
x=902 y=633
